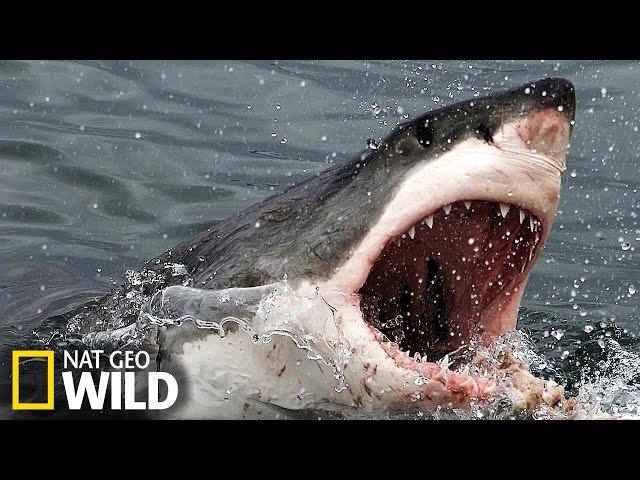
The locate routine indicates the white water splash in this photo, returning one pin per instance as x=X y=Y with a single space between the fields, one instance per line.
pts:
x=613 y=385
x=262 y=312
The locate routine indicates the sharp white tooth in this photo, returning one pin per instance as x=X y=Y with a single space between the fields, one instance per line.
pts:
x=424 y=359
x=412 y=232
x=523 y=214
x=398 y=242
x=468 y=205
x=504 y=209
x=531 y=223
x=531 y=254
x=447 y=209
x=429 y=221
x=445 y=361
x=417 y=357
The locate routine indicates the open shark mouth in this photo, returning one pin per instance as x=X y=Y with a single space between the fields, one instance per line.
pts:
x=431 y=289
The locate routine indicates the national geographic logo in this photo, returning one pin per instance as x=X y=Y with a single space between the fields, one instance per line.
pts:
x=15 y=379
x=88 y=376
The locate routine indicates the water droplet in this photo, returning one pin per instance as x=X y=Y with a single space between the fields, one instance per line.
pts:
x=588 y=328
x=632 y=290
x=372 y=144
x=138 y=135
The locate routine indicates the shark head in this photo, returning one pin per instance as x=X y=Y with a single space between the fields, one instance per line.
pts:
x=448 y=257
x=422 y=243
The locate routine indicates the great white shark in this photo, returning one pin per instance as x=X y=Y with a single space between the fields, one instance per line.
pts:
x=369 y=286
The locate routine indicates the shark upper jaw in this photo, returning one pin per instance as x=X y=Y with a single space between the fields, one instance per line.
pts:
x=454 y=248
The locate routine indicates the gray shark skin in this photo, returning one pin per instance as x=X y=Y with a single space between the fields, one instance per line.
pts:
x=370 y=287
x=308 y=229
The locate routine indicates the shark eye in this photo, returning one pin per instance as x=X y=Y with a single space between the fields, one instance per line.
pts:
x=485 y=133
x=424 y=134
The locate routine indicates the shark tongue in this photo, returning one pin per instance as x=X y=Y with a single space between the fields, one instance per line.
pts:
x=429 y=289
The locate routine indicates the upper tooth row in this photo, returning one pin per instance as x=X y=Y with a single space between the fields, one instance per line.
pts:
x=533 y=223
x=504 y=210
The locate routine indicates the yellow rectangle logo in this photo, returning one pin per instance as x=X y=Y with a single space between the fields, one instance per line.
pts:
x=15 y=381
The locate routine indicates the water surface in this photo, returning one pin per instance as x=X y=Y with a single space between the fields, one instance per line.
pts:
x=103 y=165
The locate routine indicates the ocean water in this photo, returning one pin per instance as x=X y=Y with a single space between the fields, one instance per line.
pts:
x=103 y=165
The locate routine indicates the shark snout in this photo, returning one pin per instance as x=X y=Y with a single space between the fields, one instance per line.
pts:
x=545 y=132
x=547 y=128
x=542 y=128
